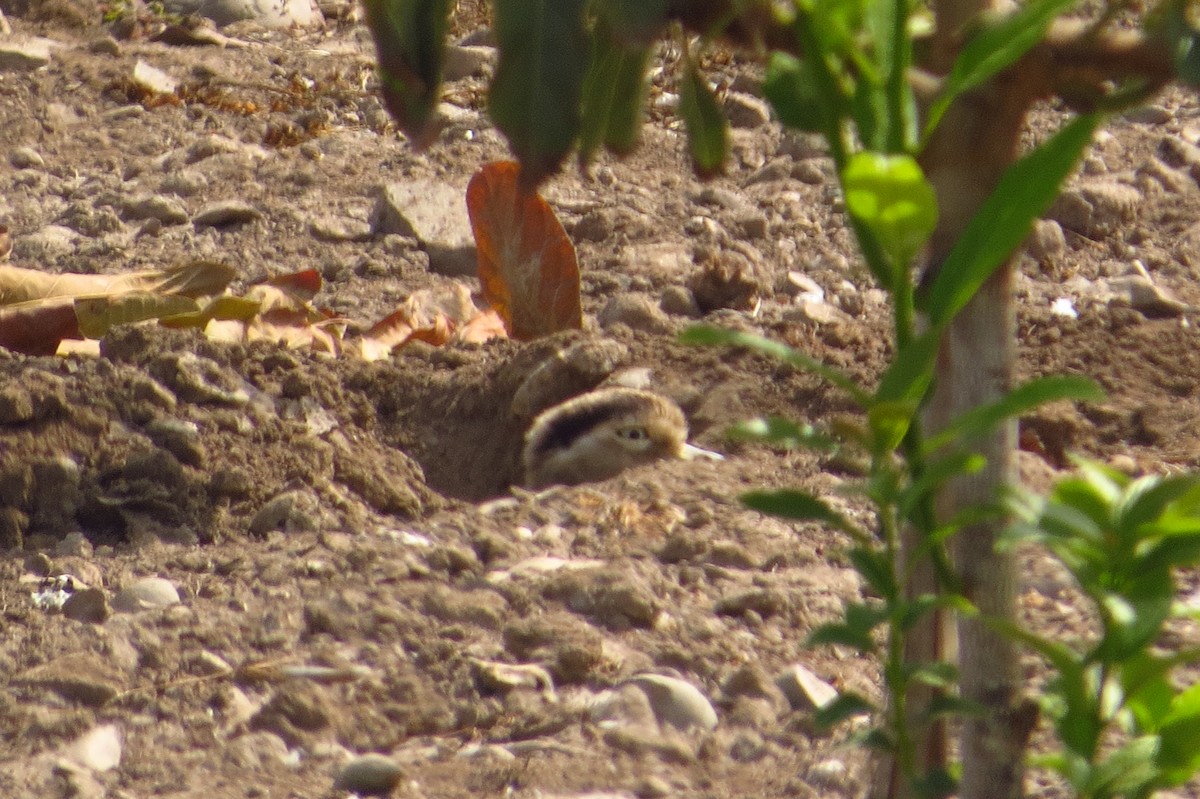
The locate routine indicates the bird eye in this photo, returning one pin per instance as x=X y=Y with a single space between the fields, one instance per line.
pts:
x=633 y=433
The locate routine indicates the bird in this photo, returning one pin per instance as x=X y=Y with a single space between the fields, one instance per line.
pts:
x=599 y=434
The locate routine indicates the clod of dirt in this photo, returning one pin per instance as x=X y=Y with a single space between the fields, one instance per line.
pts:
x=728 y=278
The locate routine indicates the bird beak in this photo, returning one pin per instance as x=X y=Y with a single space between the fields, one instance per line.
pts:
x=691 y=453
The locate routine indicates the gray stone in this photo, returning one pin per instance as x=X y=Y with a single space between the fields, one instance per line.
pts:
x=340 y=228
x=226 y=212
x=24 y=56
x=25 y=158
x=805 y=690
x=745 y=110
x=45 y=244
x=154 y=206
x=1152 y=114
x=434 y=213
x=369 y=775
x=179 y=437
x=146 y=594
x=268 y=13
x=676 y=702
x=1145 y=296
x=680 y=301
x=89 y=605
x=289 y=511
x=1047 y=240
x=465 y=61
x=635 y=311
x=153 y=79
x=98 y=749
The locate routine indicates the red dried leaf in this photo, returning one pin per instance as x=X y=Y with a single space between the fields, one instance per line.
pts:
x=303 y=284
x=38 y=327
x=527 y=263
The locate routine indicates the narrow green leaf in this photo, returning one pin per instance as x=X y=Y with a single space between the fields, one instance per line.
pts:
x=795 y=93
x=1179 y=733
x=98 y=315
x=707 y=128
x=789 y=503
x=992 y=49
x=908 y=375
x=875 y=568
x=1024 y=193
x=710 y=336
x=845 y=706
x=535 y=95
x=1148 y=498
x=890 y=196
x=410 y=37
x=613 y=95
x=1126 y=771
x=782 y=433
x=635 y=23
x=983 y=419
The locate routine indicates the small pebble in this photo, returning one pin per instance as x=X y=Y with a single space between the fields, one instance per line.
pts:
x=145 y=594
x=369 y=775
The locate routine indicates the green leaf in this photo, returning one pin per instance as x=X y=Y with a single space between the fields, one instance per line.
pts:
x=707 y=128
x=709 y=336
x=535 y=95
x=1126 y=771
x=1023 y=194
x=993 y=48
x=982 y=419
x=98 y=315
x=935 y=675
x=782 y=433
x=875 y=567
x=634 y=23
x=613 y=95
x=889 y=195
x=854 y=631
x=908 y=375
x=410 y=37
x=789 y=503
x=795 y=93
x=844 y=706
x=1147 y=499
x=1179 y=753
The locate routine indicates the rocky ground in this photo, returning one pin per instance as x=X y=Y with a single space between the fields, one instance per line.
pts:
x=283 y=562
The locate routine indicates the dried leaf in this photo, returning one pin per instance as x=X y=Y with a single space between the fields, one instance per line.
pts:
x=98 y=315
x=527 y=263
x=484 y=327
x=192 y=279
x=303 y=284
x=39 y=326
x=431 y=315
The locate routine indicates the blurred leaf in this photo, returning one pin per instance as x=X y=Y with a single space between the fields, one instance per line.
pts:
x=614 y=92
x=1126 y=771
x=707 y=128
x=303 y=285
x=846 y=705
x=789 y=503
x=410 y=37
x=792 y=88
x=98 y=315
x=527 y=264
x=983 y=419
x=992 y=48
x=1179 y=735
x=710 y=336
x=782 y=433
x=875 y=567
x=1023 y=194
x=535 y=96
x=853 y=631
x=634 y=23
x=890 y=196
